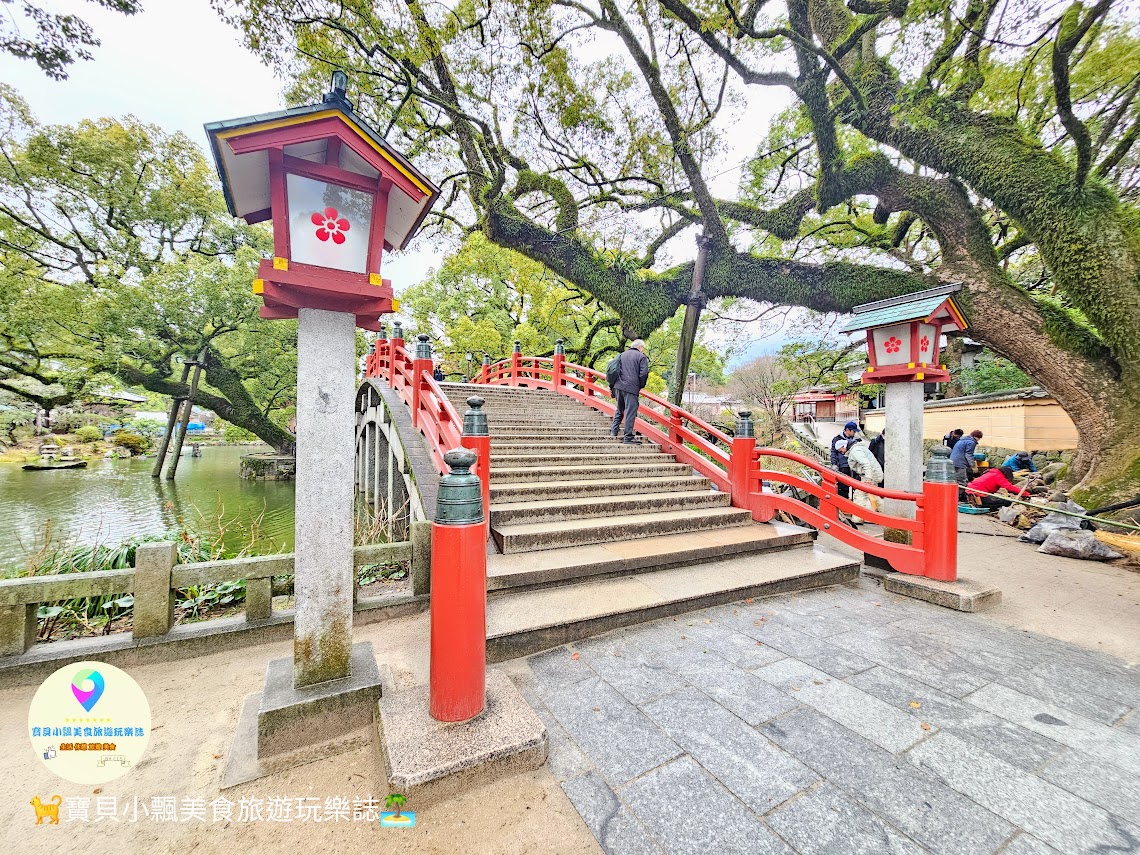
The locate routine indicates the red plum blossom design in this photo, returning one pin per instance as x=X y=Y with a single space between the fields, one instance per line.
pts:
x=329 y=225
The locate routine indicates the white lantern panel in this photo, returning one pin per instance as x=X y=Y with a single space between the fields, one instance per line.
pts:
x=927 y=344
x=892 y=344
x=328 y=224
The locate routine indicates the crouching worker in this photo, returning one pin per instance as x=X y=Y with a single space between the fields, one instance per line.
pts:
x=984 y=488
x=865 y=467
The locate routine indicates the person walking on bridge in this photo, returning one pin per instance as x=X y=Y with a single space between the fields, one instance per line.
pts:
x=634 y=375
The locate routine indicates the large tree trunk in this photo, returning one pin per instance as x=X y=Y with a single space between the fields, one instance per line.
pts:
x=237 y=407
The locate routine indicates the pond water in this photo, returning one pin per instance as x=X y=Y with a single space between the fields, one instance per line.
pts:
x=112 y=500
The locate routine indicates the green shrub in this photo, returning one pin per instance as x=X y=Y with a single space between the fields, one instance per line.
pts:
x=134 y=443
x=69 y=421
x=233 y=433
x=89 y=433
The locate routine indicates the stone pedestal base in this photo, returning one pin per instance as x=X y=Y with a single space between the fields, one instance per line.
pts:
x=964 y=595
x=428 y=760
x=268 y=467
x=284 y=727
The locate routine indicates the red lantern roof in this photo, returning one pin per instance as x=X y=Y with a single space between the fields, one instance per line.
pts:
x=241 y=152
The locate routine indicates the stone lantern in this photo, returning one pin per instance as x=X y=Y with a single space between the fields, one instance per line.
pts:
x=903 y=343
x=338 y=195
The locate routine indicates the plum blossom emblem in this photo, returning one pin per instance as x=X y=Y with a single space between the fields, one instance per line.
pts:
x=924 y=343
x=329 y=225
x=892 y=345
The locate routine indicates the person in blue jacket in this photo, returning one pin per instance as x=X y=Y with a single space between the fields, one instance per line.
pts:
x=1021 y=460
x=963 y=457
x=839 y=459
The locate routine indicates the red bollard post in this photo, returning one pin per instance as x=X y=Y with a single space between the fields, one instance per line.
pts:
x=516 y=363
x=477 y=437
x=940 y=518
x=421 y=366
x=458 y=679
x=485 y=374
x=740 y=460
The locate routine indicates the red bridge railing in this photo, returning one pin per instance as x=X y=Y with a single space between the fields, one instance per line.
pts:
x=736 y=466
x=432 y=413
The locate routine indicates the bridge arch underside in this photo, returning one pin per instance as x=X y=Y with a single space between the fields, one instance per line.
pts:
x=389 y=487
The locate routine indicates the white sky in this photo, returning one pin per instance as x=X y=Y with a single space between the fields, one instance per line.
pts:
x=177 y=65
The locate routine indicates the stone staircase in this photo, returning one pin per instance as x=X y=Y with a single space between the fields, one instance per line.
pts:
x=589 y=533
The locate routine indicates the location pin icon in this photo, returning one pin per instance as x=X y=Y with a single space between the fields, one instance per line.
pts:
x=87 y=686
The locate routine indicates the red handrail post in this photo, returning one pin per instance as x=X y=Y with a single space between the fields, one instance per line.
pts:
x=477 y=437
x=516 y=362
x=421 y=366
x=675 y=423
x=395 y=351
x=457 y=688
x=384 y=354
x=485 y=372
x=826 y=506
x=940 y=518
x=559 y=361
x=740 y=460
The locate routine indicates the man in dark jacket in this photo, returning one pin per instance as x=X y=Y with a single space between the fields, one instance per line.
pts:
x=878 y=448
x=634 y=376
x=963 y=457
x=839 y=459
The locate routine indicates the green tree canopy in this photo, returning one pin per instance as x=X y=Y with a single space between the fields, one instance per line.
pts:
x=484 y=297
x=930 y=142
x=118 y=260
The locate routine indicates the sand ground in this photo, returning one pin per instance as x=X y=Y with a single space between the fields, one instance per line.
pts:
x=194 y=707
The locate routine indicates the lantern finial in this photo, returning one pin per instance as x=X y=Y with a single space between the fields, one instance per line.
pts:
x=339 y=91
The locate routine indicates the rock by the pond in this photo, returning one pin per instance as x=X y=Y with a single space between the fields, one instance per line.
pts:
x=1049 y=473
x=1077 y=544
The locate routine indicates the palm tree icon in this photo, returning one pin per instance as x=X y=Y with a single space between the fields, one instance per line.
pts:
x=395 y=800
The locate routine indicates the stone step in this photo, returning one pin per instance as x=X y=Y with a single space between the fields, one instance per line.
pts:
x=527 y=433
x=585 y=458
x=607 y=445
x=543 y=417
x=546 y=430
x=529 y=570
x=523 y=622
x=530 y=537
x=510 y=513
x=541 y=490
x=506 y=475
x=557 y=423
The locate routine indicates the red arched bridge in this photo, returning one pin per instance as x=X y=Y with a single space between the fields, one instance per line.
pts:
x=589 y=533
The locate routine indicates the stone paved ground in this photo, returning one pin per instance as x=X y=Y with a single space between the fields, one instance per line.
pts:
x=843 y=721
